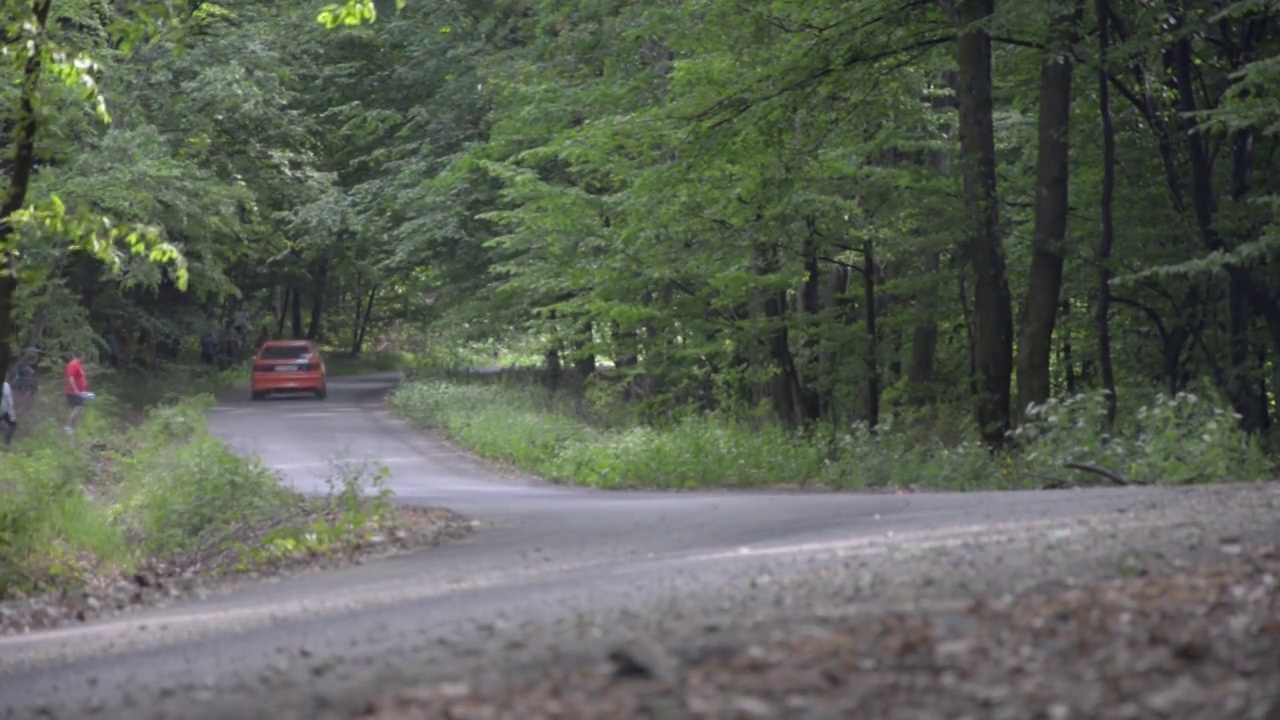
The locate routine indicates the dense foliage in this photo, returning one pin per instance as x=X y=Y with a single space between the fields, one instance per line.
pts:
x=838 y=211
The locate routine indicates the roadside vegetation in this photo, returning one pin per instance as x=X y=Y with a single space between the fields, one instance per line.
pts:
x=151 y=491
x=591 y=438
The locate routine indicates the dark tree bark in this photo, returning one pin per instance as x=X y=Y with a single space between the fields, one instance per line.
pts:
x=295 y=313
x=584 y=360
x=992 y=307
x=1102 y=307
x=1067 y=354
x=286 y=295
x=1035 y=344
x=873 y=349
x=1241 y=291
x=554 y=368
x=362 y=320
x=317 y=299
x=18 y=173
x=358 y=293
x=783 y=386
x=811 y=395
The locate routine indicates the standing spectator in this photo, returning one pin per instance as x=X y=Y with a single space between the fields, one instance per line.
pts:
x=8 y=413
x=75 y=385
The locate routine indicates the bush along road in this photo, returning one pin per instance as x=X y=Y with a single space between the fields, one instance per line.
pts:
x=143 y=507
x=593 y=439
x=572 y=602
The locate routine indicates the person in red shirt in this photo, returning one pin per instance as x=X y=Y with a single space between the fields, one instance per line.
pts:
x=75 y=385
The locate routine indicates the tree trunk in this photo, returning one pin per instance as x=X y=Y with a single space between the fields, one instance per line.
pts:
x=584 y=359
x=872 y=351
x=1067 y=355
x=317 y=312
x=992 y=312
x=970 y=334
x=295 y=313
x=18 y=171
x=362 y=320
x=1035 y=344
x=1102 y=307
x=285 y=296
x=811 y=393
x=554 y=368
x=783 y=384
x=1240 y=290
x=358 y=292
x=317 y=299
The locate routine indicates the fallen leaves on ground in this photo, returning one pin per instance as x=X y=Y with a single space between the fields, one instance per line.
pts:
x=1187 y=643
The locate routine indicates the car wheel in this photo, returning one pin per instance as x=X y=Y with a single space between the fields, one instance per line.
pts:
x=322 y=393
x=255 y=395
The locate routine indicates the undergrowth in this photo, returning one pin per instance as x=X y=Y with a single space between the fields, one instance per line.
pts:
x=1165 y=440
x=339 y=363
x=163 y=492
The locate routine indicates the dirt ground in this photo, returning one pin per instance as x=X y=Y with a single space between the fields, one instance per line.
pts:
x=1196 y=642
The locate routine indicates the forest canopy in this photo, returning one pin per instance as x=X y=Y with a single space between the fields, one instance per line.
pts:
x=836 y=211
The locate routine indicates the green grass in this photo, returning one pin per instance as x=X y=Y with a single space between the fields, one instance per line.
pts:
x=123 y=492
x=1182 y=440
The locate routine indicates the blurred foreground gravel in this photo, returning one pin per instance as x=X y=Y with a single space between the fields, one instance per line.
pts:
x=1169 y=611
x=1201 y=642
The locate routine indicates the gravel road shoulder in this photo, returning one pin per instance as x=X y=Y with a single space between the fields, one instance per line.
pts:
x=1182 y=622
x=1200 y=642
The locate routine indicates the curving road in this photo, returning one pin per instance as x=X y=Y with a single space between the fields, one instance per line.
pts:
x=560 y=573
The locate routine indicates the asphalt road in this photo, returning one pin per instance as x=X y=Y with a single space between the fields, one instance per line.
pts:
x=557 y=573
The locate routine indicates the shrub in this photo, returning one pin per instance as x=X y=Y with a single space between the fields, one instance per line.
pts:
x=182 y=489
x=1169 y=440
x=162 y=489
x=1187 y=438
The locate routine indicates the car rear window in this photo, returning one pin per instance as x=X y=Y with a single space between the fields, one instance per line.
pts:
x=285 y=352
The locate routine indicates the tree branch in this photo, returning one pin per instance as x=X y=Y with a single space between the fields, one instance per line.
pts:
x=1098 y=470
x=1147 y=310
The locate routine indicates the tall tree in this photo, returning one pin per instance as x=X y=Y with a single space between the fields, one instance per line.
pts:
x=1044 y=284
x=1106 y=214
x=993 y=310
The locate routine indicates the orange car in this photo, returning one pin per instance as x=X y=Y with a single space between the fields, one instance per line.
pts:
x=288 y=366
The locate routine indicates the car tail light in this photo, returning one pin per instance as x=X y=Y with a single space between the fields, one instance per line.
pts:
x=259 y=367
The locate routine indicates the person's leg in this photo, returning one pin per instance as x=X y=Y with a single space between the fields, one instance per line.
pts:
x=12 y=427
x=76 y=404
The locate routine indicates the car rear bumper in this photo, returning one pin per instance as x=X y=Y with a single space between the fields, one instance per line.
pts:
x=287 y=381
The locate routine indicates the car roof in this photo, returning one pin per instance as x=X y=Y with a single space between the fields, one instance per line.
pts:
x=279 y=343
